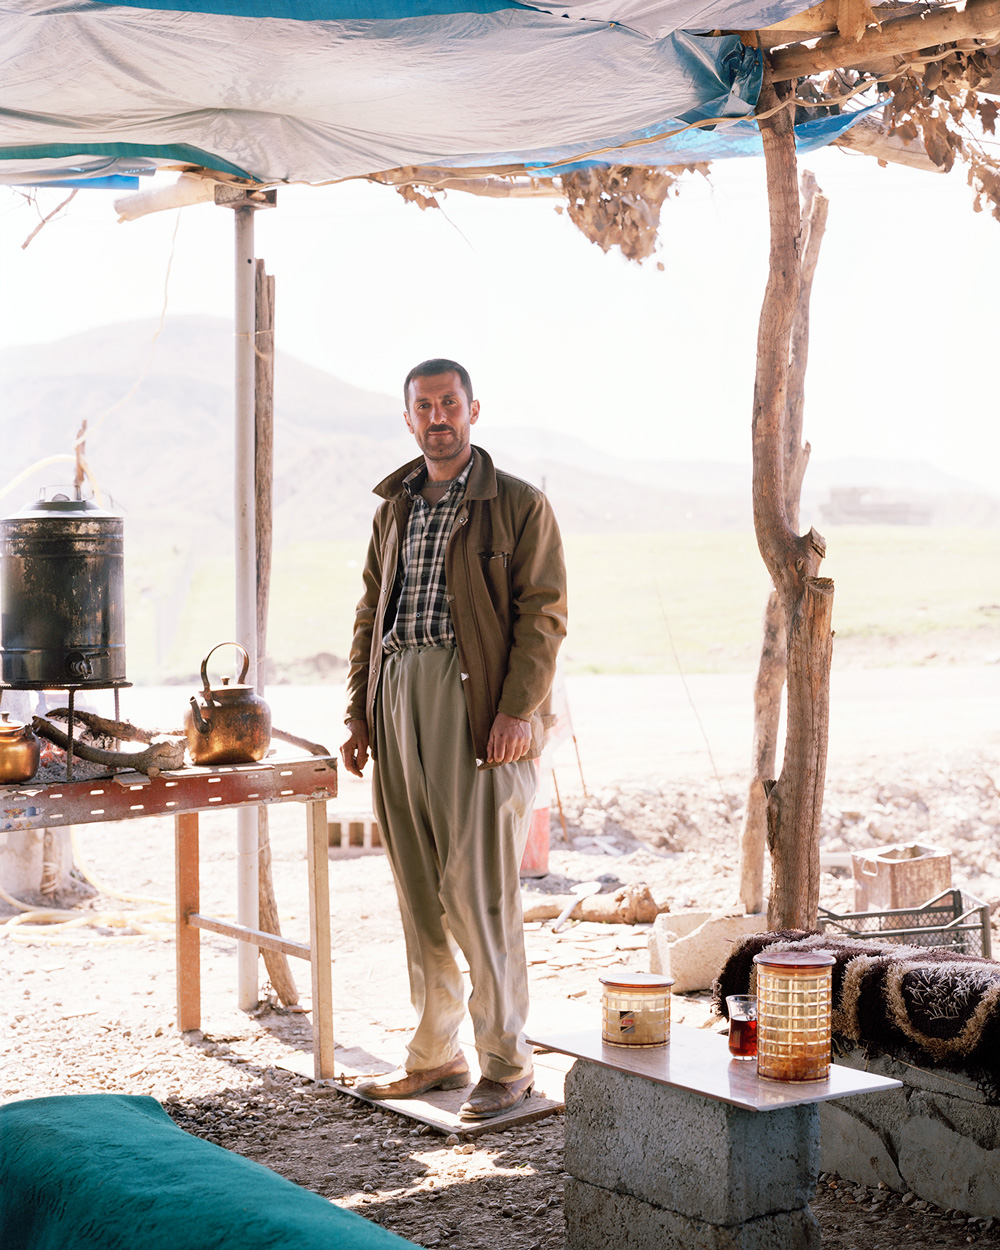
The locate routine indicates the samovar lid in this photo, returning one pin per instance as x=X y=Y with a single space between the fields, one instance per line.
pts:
x=63 y=505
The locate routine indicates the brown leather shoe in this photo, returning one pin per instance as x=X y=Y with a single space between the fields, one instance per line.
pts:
x=493 y=1097
x=402 y=1084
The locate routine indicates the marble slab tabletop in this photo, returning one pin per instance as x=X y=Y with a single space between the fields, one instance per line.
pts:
x=699 y=1061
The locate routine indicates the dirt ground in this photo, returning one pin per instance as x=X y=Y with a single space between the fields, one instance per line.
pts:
x=90 y=1009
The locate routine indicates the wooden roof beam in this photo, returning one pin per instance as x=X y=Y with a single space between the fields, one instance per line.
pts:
x=824 y=19
x=979 y=19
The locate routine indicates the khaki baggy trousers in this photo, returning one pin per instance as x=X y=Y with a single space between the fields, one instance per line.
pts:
x=454 y=836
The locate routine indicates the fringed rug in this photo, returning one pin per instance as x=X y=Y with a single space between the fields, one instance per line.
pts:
x=934 y=1008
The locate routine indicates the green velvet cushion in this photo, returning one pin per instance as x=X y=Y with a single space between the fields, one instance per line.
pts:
x=114 y=1172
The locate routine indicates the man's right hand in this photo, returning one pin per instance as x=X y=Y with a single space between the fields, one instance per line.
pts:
x=354 y=751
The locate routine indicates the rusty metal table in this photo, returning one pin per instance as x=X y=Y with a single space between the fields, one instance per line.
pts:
x=183 y=794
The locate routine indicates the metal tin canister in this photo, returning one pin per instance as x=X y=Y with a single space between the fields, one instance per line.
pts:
x=635 y=1009
x=794 y=997
x=62 y=580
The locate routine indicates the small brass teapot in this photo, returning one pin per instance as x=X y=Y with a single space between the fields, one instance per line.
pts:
x=233 y=725
x=19 y=751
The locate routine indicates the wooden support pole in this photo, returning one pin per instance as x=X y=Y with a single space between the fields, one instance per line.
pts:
x=763 y=753
x=815 y=207
x=783 y=552
x=186 y=894
x=795 y=801
x=247 y=858
x=263 y=454
x=771 y=667
x=979 y=19
x=275 y=958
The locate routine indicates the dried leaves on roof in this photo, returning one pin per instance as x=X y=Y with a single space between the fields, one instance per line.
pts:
x=619 y=206
x=938 y=103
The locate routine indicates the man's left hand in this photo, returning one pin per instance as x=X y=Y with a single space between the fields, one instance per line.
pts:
x=510 y=740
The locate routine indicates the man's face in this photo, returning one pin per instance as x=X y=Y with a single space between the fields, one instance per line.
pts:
x=440 y=416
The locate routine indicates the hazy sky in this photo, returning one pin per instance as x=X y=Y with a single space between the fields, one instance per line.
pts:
x=557 y=335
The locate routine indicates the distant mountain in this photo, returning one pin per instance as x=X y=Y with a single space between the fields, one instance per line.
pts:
x=160 y=442
x=913 y=476
x=165 y=454
x=713 y=477
x=545 y=449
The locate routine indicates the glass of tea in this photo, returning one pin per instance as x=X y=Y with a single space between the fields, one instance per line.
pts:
x=742 y=1025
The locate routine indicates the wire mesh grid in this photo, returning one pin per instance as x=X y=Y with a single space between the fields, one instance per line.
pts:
x=954 y=920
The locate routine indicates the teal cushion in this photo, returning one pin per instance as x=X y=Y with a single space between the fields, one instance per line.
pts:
x=114 y=1172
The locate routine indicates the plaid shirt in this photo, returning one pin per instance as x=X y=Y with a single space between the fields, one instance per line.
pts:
x=423 y=618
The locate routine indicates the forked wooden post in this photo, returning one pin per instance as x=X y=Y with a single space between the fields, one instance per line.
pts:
x=795 y=800
x=774 y=642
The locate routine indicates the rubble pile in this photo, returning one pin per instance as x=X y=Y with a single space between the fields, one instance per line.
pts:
x=682 y=839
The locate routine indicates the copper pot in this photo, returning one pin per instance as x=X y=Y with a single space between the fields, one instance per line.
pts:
x=19 y=751
x=232 y=725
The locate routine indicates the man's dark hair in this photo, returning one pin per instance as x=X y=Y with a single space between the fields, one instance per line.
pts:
x=433 y=369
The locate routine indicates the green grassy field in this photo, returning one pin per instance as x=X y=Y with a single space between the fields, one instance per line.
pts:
x=638 y=603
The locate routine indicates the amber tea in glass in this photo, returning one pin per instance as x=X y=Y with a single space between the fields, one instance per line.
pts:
x=794 y=996
x=742 y=1026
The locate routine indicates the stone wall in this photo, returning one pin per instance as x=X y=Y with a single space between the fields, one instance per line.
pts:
x=935 y=1137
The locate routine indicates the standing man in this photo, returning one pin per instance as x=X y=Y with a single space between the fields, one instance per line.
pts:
x=454 y=652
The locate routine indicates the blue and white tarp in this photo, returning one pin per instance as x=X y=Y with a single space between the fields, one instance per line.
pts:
x=317 y=90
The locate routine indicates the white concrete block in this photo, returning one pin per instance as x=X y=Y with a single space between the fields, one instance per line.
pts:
x=695 y=958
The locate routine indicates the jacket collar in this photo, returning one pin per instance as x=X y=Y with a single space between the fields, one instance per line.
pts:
x=482 y=483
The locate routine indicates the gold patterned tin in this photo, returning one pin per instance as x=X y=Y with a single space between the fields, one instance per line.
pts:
x=636 y=1009
x=794 y=992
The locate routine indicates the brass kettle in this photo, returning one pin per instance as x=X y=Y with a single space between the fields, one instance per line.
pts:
x=19 y=751
x=232 y=725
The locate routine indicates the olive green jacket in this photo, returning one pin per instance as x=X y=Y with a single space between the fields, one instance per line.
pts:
x=506 y=582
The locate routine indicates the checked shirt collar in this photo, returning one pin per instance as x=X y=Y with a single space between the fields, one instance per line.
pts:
x=423 y=618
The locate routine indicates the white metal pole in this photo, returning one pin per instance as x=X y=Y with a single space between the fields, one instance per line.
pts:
x=246 y=584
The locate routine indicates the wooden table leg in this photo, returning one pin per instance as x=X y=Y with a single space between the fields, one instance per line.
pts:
x=319 y=939
x=187 y=889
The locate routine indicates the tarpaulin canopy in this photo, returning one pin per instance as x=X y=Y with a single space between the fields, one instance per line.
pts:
x=317 y=90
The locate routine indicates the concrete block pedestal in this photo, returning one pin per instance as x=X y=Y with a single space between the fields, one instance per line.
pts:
x=678 y=1169
x=682 y=1148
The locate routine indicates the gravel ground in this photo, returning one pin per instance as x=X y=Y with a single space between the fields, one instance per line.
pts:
x=91 y=1009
